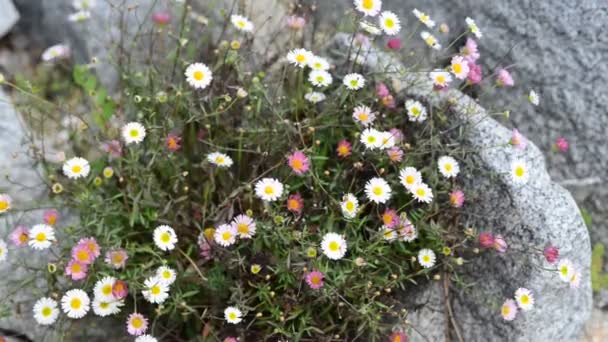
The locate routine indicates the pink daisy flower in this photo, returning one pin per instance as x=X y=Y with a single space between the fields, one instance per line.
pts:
x=172 y=142
x=230 y=339
x=388 y=102
x=562 y=144
x=137 y=324
x=508 y=310
x=295 y=204
x=486 y=240
x=344 y=149
x=395 y=154
x=161 y=18
x=20 y=236
x=390 y=218
x=518 y=140
x=120 y=289
x=76 y=270
x=314 y=279
x=394 y=44
x=82 y=254
x=204 y=246
x=92 y=245
x=504 y=78
x=475 y=74
x=398 y=336
x=113 y=148
x=382 y=90
x=50 y=217
x=551 y=254
x=295 y=22
x=397 y=135
x=469 y=50
x=117 y=258
x=298 y=162
x=457 y=198
x=500 y=244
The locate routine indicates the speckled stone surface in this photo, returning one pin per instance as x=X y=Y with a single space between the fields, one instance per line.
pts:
x=526 y=215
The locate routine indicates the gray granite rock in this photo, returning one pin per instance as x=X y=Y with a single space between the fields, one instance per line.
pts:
x=9 y=16
x=526 y=215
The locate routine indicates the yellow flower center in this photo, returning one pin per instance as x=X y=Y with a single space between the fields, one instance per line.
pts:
x=430 y=40
x=342 y=150
x=293 y=204
x=232 y=316
x=198 y=75
x=3 y=205
x=297 y=164
x=240 y=23
x=226 y=236
x=315 y=280
x=334 y=246
x=397 y=338
x=448 y=167
x=76 y=168
x=46 y=311
x=440 y=79
x=40 y=237
x=368 y=4
x=167 y=274
x=76 y=268
x=301 y=58
x=320 y=78
x=165 y=237
x=519 y=171
x=506 y=310
x=409 y=179
x=415 y=111
x=377 y=190
x=269 y=190
x=363 y=116
x=564 y=270
x=524 y=299
x=220 y=160
x=155 y=290
x=350 y=206
x=23 y=238
x=134 y=133
x=354 y=83
x=75 y=303
x=424 y=18
x=389 y=22
x=420 y=192
x=104 y=305
x=137 y=322
x=426 y=258
x=117 y=258
x=457 y=68
x=82 y=255
x=106 y=289
x=387 y=219
x=242 y=228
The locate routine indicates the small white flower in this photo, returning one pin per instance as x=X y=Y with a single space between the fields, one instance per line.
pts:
x=407 y=231
x=3 y=250
x=349 y=206
x=84 y=4
x=299 y=57
x=425 y=19
x=220 y=159
x=103 y=289
x=524 y=299
x=46 y=311
x=387 y=140
x=314 y=97
x=133 y=133
x=519 y=172
x=416 y=112
x=155 y=290
x=333 y=246
x=241 y=23
x=426 y=258
x=565 y=269
x=390 y=23
x=233 y=315
x=409 y=177
x=473 y=27
x=225 y=235
x=459 y=67
x=369 y=28
x=145 y=338
x=244 y=226
x=104 y=308
x=364 y=115
x=320 y=78
x=79 y=16
x=575 y=280
x=440 y=78
x=354 y=81
x=371 y=138
x=165 y=238
x=76 y=168
x=59 y=51
x=448 y=166
x=41 y=236
x=389 y=233
x=75 y=303
x=368 y=7
x=533 y=98
x=5 y=203
x=378 y=190
x=166 y=275
x=198 y=75
x=269 y=189
x=318 y=63
x=430 y=40
x=422 y=193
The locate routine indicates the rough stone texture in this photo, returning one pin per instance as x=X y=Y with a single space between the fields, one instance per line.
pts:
x=530 y=215
x=9 y=16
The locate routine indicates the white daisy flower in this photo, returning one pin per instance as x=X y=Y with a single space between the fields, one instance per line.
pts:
x=146 y=338
x=41 y=236
x=371 y=139
x=387 y=140
x=320 y=78
x=241 y=23
x=459 y=67
x=473 y=27
x=166 y=274
x=425 y=19
x=364 y=115
x=299 y=57
x=3 y=250
x=46 y=311
x=430 y=40
x=524 y=299
x=378 y=190
x=84 y=4
x=349 y=206
x=76 y=168
x=244 y=226
x=198 y=75
x=165 y=238
x=407 y=231
x=155 y=291
x=368 y=7
x=220 y=159
x=575 y=280
x=333 y=246
x=5 y=203
x=519 y=172
x=416 y=112
x=54 y=52
x=75 y=303
x=233 y=315
x=133 y=133
x=390 y=23
x=104 y=308
x=533 y=98
x=448 y=166
x=388 y=233
x=354 y=81
x=369 y=28
x=440 y=78
x=314 y=97
x=426 y=258
x=225 y=235
x=79 y=16
x=422 y=192
x=565 y=270
x=269 y=189
x=318 y=63
x=103 y=289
